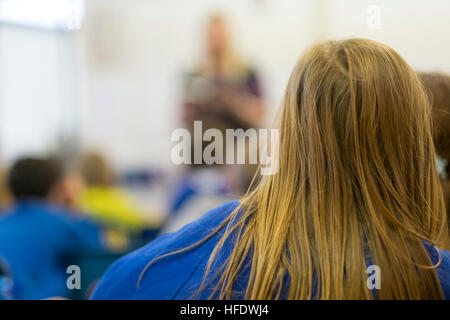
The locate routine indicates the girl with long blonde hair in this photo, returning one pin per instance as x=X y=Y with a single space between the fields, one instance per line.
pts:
x=357 y=186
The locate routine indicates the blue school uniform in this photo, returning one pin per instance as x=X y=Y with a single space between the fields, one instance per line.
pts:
x=179 y=276
x=39 y=241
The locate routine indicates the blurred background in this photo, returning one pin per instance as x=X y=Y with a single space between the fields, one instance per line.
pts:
x=101 y=84
x=107 y=74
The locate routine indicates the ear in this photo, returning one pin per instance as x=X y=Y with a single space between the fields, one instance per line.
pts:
x=68 y=191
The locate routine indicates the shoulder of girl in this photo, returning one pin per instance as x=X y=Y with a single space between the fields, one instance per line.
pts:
x=121 y=278
x=443 y=272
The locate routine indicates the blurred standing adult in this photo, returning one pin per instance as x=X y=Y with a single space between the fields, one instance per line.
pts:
x=223 y=87
x=223 y=91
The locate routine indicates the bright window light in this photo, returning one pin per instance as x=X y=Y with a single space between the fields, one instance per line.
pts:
x=63 y=15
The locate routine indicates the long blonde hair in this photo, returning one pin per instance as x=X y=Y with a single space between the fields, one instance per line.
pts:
x=357 y=180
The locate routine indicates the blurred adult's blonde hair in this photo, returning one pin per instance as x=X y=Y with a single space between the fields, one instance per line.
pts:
x=220 y=47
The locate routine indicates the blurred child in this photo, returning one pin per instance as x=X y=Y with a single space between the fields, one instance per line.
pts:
x=108 y=203
x=39 y=239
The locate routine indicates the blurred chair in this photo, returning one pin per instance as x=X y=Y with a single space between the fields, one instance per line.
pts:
x=197 y=192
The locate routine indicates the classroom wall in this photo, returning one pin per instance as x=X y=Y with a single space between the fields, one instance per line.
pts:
x=417 y=29
x=37 y=90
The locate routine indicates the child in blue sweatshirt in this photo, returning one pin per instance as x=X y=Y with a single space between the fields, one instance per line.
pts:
x=39 y=238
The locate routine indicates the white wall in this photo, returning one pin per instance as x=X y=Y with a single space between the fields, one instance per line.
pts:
x=36 y=90
x=419 y=30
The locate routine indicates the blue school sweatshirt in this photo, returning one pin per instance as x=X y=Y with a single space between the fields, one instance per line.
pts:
x=38 y=241
x=179 y=276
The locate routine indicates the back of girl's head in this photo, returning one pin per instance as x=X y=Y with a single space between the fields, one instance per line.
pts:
x=357 y=102
x=359 y=120
x=357 y=178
